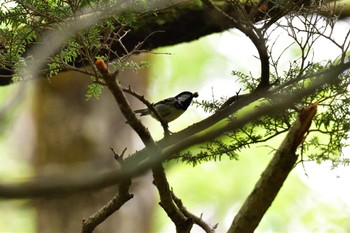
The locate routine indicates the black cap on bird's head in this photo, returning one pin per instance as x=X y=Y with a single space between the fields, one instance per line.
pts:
x=184 y=99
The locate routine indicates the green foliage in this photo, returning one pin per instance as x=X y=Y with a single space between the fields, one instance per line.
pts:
x=14 y=38
x=210 y=105
x=24 y=22
x=327 y=136
x=248 y=81
x=94 y=90
x=134 y=66
x=331 y=124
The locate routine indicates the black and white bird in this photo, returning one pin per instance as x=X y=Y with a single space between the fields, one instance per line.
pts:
x=171 y=108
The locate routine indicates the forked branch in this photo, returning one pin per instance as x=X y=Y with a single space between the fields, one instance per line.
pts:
x=182 y=223
x=113 y=205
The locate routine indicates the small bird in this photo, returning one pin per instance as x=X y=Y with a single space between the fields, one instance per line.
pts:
x=171 y=108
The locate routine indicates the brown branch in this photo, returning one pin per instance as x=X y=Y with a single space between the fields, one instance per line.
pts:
x=182 y=223
x=141 y=162
x=118 y=94
x=245 y=24
x=197 y=220
x=113 y=205
x=272 y=179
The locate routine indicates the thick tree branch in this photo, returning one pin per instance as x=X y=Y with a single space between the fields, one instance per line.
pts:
x=182 y=22
x=177 y=23
x=141 y=161
x=272 y=179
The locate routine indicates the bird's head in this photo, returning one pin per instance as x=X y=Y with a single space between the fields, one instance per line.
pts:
x=184 y=99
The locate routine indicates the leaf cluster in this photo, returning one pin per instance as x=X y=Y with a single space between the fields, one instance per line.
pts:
x=328 y=134
x=22 y=22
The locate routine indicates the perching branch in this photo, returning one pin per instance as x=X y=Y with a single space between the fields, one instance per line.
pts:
x=272 y=179
x=151 y=107
x=141 y=161
x=182 y=223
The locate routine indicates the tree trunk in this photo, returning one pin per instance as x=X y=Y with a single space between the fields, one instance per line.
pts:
x=73 y=133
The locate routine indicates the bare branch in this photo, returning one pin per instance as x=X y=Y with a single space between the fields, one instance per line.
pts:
x=197 y=220
x=181 y=222
x=245 y=24
x=143 y=160
x=113 y=205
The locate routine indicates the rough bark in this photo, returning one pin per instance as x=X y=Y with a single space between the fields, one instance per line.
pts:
x=273 y=177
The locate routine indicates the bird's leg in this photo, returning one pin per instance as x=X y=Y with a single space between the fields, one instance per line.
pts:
x=165 y=126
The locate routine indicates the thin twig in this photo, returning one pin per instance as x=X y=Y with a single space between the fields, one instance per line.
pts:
x=245 y=24
x=113 y=205
x=197 y=220
x=119 y=158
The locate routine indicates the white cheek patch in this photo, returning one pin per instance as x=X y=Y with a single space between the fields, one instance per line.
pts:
x=183 y=98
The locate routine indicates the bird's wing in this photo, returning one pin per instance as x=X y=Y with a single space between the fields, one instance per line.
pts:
x=167 y=101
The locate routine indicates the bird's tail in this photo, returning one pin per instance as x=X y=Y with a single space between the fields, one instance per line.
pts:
x=143 y=112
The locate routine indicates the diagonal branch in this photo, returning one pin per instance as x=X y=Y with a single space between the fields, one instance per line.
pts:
x=113 y=205
x=151 y=107
x=197 y=220
x=272 y=179
x=182 y=223
x=141 y=162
